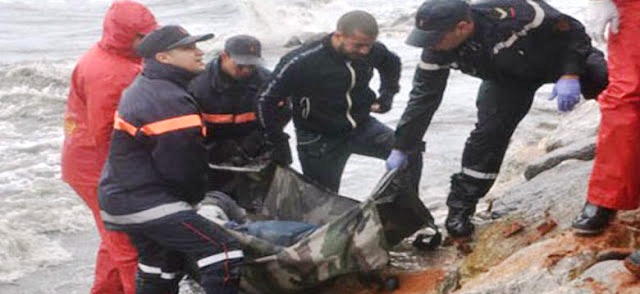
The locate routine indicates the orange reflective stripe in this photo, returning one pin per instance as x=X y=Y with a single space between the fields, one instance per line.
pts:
x=218 y=118
x=229 y=118
x=120 y=124
x=172 y=124
x=244 y=117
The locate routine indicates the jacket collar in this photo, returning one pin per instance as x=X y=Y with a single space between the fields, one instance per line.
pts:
x=220 y=81
x=157 y=70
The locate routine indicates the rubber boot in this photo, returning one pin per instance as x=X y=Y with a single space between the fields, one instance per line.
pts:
x=592 y=220
x=458 y=222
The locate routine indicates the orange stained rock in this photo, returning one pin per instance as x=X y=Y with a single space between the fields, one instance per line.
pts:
x=422 y=282
x=513 y=229
x=427 y=281
x=628 y=282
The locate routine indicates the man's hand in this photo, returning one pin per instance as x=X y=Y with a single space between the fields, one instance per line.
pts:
x=567 y=90
x=601 y=13
x=253 y=144
x=375 y=107
x=397 y=159
x=280 y=152
x=382 y=104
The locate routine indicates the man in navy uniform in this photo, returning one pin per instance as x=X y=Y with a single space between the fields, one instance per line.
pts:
x=514 y=46
x=156 y=173
x=227 y=93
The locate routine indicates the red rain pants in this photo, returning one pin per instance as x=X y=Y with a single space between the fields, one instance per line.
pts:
x=615 y=179
x=117 y=259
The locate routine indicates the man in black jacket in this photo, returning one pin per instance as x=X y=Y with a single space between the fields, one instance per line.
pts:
x=514 y=46
x=328 y=84
x=227 y=93
x=156 y=173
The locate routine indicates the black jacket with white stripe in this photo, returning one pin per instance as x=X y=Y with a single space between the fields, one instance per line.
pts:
x=514 y=40
x=329 y=93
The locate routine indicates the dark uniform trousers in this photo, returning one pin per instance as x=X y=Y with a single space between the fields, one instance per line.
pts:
x=323 y=157
x=182 y=243
x=501 y=106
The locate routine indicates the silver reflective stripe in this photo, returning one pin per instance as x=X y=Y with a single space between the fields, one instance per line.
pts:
x=537 y=20
x=348 y=95
x=149 y=269
x=168 y=276
x=305 y=106
x=156 y=271
x=431 y=66
x=146 y=215
x=315 y=139
x=220 y=257
x=479 y=175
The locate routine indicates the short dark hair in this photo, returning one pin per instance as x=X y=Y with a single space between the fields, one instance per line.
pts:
x=358 y=20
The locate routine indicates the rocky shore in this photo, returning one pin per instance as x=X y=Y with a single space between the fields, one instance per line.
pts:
x=524 y=242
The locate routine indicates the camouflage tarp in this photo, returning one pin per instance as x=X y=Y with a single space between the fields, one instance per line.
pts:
x=353 y=236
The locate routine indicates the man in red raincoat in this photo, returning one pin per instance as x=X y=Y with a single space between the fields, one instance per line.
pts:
x=615 y=179
x=98 y=80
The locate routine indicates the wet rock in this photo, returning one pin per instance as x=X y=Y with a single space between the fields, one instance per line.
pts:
x=526 y=271
x=533 y=211
x=491 y=247
x=558 y=192
x=583 y=150
x=557 y=265
x=606 y=277
x=304 y=38
x=513 y=229
x=581 y=123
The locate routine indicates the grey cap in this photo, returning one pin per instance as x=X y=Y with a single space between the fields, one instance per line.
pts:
x=435 y=18
x=244 y=49
x=167 y=38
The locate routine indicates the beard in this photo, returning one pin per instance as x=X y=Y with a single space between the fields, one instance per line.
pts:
x=349 y=55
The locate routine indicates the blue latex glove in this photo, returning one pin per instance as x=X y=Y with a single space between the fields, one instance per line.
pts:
x=396 y=159
x=567 y=90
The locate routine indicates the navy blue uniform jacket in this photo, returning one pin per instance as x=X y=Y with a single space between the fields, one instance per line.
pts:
x=157 y=162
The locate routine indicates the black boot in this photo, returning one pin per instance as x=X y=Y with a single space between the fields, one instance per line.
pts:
x=462 y=200
x=593 y=219
x=458 y=222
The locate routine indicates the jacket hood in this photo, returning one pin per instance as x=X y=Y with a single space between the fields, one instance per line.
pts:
x=122 y=23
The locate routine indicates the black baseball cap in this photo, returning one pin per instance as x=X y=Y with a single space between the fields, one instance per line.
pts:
x=435 y=18
x=244 y=49
x=167 y=38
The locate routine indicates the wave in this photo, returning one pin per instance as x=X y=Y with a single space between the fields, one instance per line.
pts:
x=34 y=202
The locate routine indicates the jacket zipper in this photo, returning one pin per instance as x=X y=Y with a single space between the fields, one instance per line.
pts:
x=348 y=95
